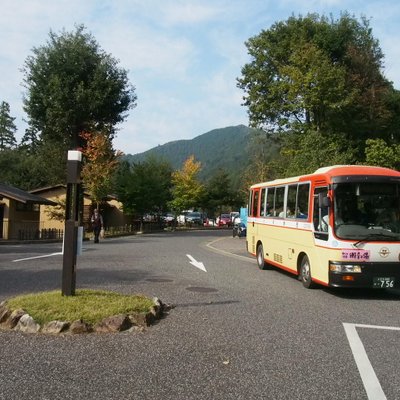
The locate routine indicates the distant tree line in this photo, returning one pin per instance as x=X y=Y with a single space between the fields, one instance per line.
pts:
x=152 y=187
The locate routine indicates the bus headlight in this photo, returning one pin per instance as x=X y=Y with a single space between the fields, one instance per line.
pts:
x=344 y=268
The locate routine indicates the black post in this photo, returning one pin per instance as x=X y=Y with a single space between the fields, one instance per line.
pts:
x=71 y=222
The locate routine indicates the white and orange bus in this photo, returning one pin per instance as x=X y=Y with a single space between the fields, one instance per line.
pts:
x=337 y=227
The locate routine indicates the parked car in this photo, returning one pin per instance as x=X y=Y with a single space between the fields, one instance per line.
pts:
x=194 y=218
x=149 y=217
x=224 y=220
x=181 y=218
x=168 y=219
x=239 y=228
x=209 y=222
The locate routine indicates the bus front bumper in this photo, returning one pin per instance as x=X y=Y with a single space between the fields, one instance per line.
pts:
x=377 y=275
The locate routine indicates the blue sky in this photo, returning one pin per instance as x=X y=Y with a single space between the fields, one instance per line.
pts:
x=183 y=57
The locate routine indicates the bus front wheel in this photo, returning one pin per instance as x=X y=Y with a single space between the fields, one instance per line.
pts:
x=260 y=257
x=305 y=273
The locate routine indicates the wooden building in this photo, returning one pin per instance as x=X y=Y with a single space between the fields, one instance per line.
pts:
x=20 y=214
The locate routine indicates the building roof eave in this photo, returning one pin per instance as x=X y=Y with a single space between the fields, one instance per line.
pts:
x=22 y=196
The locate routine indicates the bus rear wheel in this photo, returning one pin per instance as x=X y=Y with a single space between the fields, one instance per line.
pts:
x=305 y=273
x=260 y=257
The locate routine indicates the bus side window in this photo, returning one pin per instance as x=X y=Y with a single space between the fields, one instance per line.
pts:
x=256 y=195
x=270 y=202
x=263 y=210
x=279 y=201
x=303 y=196
x=291 y=201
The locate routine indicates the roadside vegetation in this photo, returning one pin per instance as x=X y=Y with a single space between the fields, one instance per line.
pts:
x=91 y=306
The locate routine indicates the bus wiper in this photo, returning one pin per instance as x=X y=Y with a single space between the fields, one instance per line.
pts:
x=377 y=236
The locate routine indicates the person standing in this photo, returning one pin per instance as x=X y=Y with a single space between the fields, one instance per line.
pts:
x=97 y=224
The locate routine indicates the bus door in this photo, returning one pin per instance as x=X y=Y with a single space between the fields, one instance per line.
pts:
x=1 y=220
x=321 y=213
x=253 y=213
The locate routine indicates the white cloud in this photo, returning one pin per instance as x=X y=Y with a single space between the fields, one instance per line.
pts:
x=144 y=50
x=189 y=12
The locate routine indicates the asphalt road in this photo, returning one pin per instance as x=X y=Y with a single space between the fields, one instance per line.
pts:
x=235 y=333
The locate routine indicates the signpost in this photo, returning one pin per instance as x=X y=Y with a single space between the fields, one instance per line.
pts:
x=71 y=222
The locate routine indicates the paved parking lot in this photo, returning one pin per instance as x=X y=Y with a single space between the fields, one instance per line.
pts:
x=235 y=333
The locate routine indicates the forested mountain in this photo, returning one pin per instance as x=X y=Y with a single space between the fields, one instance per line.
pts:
x=227 y=148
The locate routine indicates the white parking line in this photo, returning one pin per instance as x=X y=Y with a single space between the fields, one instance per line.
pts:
x=42 y=256
x=367 y=373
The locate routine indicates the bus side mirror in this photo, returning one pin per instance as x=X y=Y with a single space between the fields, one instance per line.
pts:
x=323 y=201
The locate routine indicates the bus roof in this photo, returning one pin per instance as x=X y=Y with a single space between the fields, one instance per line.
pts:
x=326 y=173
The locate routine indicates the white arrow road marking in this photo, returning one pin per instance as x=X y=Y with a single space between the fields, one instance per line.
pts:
x=197 y=264
x=368 y=376
x=33 y=258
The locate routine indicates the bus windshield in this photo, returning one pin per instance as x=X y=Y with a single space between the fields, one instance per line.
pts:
x=367 y=211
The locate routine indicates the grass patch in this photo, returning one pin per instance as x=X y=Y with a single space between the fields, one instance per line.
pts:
x=89 y=305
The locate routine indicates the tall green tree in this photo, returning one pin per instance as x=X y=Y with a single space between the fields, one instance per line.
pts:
x=23 y=170
x=378 y=152
x=264 y=149
x=218 y=193
x=321 y=78
x=30 y=141
x=72 y=85
x=7 y=127
x=144 y=187
x=305 y=153
x=10 y=167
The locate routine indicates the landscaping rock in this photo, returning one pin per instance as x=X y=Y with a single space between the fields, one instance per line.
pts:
x=80 y=326
x=27 y=324
x=157 y=309
x=4 y=312
x=13 y=319
x=56 y=327
x=141 y=319
x=116 y=323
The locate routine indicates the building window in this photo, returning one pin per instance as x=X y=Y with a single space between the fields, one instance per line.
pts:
x=27 y=206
